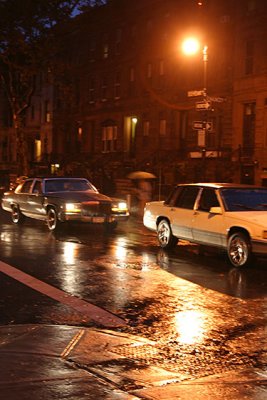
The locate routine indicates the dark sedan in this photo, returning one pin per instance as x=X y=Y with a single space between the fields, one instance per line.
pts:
x=60 y=200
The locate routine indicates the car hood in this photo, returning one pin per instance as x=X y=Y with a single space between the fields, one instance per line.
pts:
x=80 y=196
x=256 y=217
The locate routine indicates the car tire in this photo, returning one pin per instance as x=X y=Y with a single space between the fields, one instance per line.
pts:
x=16 y=215
x=52 y=219
x=165 y=236
x=239 y=250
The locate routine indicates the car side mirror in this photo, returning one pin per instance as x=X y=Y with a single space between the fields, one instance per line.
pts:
x=216 y=210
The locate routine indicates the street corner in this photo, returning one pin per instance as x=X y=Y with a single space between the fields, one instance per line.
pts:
x=123 y=359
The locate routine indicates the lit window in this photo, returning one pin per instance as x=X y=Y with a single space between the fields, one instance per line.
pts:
x=109 y=138
x=146 y=128
x=105 y=51
x=149 y=70
x=105 y=46
x=47 y=111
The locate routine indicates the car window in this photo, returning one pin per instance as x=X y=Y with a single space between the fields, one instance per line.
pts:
x=25 y=188
x=68 y=185
x=244 y=199
x=172 y=198
x=37 y=187
x=187 y=197
x=208 y=199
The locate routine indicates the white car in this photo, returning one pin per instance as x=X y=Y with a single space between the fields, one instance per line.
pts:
x=225 y=215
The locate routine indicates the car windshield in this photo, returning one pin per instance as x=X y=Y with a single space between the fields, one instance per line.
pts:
x=244 y=199
x=68 y=185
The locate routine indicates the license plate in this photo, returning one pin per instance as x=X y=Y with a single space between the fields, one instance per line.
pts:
x=98 y=220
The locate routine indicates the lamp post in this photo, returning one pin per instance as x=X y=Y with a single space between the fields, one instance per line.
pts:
x=205 y=65
x=191 y=46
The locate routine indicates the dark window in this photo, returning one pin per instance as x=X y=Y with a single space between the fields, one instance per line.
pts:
x=244 y=199
x=26 y=187
x=172 y=198
x=187 y=197
x=249 y=117
x=208 y=199
x=37 y=187
x=249 y=57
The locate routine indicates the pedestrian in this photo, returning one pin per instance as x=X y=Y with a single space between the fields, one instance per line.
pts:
x=144 y=194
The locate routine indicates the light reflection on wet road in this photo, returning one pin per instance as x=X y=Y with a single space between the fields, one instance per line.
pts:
x=214 y=311
x=32 y=244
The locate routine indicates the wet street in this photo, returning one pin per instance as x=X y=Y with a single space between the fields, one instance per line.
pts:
x=204 y=316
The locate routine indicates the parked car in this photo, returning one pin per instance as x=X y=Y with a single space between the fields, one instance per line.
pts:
x=61 y=200
x=228 y=216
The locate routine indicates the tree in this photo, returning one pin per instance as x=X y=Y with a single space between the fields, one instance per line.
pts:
x=26 y=48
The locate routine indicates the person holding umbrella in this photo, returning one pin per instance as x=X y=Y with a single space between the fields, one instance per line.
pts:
x=144 y=188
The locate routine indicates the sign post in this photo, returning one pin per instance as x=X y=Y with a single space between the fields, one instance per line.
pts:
x=203 y=105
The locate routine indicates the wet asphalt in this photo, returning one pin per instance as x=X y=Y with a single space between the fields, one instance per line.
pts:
x=175 y=336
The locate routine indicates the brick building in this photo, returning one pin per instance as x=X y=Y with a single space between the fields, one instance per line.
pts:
x=124 y=98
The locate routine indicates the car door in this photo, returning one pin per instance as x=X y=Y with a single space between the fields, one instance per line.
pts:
x=35 y=200
x=207 y=228
x=22 y=195
x=181 y=211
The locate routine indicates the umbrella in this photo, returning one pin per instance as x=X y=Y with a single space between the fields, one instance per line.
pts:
x=141 y=175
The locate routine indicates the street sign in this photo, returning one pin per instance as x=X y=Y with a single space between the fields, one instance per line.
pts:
x=217 y=99
x=203 y=105
x=203 y=125
x=198 y=125
x=195 y=93
x=208 y=126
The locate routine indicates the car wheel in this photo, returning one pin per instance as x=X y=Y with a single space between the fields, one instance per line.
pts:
x=165 y=236
x=52 y=220
x=239 y=250
x=16 y=215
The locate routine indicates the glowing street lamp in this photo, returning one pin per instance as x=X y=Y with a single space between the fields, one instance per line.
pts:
x=191 y=46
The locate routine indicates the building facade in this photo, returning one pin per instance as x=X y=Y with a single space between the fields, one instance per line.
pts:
x=125 y=97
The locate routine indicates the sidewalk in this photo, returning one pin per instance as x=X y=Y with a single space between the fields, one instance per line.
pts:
x=64 y=362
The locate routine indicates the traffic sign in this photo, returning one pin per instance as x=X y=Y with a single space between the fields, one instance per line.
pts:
x=203 y=125
x=203 y=105
x=208 y=126
x=198 y=125
x=195 y=93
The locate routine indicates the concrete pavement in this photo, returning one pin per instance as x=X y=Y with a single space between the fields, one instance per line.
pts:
x=76 y=363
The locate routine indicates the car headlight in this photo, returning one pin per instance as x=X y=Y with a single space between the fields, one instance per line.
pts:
x=119 y=206
x=73 y=207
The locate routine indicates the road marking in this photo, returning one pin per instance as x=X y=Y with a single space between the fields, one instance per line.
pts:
x=95 y=313
x=73 y=342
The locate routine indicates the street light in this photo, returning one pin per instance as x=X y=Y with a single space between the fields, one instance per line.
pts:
x=191 y=46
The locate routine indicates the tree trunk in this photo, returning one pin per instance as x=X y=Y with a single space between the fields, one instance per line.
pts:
x=21 y=144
